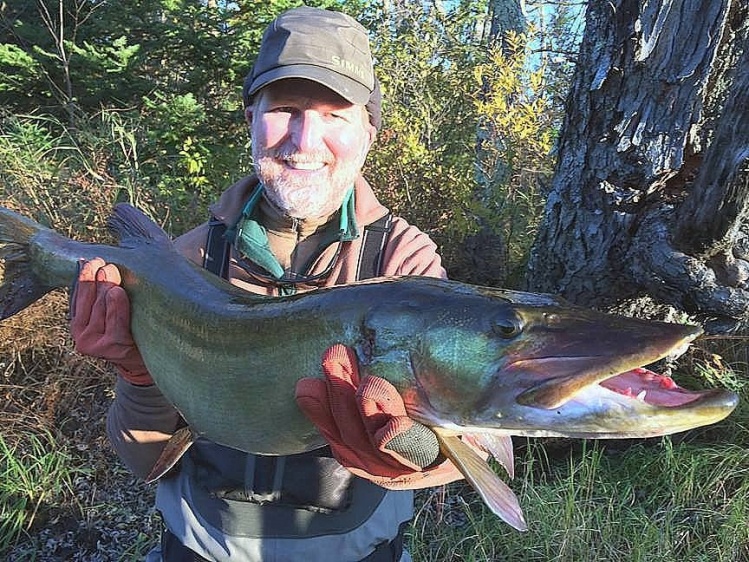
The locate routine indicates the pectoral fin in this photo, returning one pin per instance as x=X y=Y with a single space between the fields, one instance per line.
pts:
x=498 y=446
x=176 y=447
x=495 y=493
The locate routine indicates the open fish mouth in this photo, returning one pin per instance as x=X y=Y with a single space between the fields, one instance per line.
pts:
x=635 y=403
x=638 y=385
x=651 y=388
x=581 y=376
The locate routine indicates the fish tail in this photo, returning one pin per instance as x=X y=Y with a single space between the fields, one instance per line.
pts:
x=19 y=286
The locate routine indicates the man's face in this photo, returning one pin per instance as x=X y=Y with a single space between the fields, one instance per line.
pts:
x=308 y=144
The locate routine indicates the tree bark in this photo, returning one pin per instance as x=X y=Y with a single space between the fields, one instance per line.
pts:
x=650 y=191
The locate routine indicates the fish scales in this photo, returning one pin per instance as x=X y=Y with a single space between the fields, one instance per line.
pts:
x=480 y=362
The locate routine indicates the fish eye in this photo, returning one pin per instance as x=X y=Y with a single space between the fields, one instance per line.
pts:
x=508 y=328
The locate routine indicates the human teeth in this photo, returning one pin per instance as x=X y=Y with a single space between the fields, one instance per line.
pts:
x=641 y=396
x=306 y=165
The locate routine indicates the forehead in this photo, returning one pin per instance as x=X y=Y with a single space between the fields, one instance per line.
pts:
x=301 y=91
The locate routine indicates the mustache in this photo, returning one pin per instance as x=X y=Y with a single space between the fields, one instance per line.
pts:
x=300 y=157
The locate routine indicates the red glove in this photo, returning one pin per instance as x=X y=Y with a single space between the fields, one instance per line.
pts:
x=366 y=425
x=100 y=322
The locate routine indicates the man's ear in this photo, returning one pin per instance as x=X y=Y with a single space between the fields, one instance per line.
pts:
x=248 y=115
x=372 y=134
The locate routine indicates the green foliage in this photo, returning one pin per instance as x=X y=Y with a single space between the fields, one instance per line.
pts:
x=37 y=159
x=177 y=131
x=34 y=474
x=17 y=70
x=518 y=126
x=71 y=178
x=444 y=88
x=422 y=164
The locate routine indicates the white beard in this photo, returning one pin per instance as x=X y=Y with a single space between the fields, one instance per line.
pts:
x=317 y=196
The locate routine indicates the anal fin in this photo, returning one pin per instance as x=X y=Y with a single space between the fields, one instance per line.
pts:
x=177 y=446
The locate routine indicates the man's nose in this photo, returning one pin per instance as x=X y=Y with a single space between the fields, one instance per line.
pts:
x=308 y=130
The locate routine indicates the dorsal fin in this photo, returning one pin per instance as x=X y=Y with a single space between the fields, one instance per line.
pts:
x=133 y=227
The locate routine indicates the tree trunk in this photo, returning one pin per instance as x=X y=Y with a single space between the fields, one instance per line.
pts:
x=650 y=191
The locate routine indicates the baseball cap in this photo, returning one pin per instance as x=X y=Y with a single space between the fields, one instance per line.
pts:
x=327 y=47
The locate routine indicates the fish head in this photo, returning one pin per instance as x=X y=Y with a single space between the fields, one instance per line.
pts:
x=491 y=360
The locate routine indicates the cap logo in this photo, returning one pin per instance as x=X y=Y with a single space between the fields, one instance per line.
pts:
x=349 y=67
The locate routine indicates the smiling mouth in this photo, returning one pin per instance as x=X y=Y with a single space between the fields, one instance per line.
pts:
x=304 y=166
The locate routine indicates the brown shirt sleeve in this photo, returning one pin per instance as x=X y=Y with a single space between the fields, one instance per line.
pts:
x=139 y=423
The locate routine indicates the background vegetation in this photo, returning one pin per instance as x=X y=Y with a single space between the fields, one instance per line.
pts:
x=140 y=101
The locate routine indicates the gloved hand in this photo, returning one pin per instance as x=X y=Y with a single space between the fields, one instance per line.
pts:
x=366 y=425
x=100 y=320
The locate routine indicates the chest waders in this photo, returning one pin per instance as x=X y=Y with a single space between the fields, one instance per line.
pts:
x=295 y=496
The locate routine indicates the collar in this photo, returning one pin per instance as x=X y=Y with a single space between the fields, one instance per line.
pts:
x=250 y=238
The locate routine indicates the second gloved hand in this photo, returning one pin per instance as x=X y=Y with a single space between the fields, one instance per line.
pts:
x=100 y=321
x=366 y=425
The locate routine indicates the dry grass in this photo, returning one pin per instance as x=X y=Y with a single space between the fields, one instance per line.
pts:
x=49 y=390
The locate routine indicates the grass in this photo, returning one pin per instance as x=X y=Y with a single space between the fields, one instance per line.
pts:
x=33 y=473
x=656 y=501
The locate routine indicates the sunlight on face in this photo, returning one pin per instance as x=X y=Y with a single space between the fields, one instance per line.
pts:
x=308 y=144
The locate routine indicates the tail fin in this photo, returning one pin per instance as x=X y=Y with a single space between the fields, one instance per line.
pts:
x=19 y=287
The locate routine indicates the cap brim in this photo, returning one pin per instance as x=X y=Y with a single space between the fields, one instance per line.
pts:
x=345 y=87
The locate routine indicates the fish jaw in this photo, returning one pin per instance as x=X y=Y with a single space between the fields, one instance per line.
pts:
x=650 y=407
x=567 y=372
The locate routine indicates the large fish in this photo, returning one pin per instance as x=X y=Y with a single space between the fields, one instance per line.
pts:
x=478 y=362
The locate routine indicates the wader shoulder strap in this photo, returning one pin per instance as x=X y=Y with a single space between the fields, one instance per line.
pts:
x=217 y=249
x=372 y=247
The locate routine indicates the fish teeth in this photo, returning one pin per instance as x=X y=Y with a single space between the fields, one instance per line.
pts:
x=641 y=396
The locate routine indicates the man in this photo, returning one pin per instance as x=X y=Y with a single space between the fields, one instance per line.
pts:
x=313 y=108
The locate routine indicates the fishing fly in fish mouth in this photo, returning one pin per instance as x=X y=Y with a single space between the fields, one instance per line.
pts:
x=304 y=329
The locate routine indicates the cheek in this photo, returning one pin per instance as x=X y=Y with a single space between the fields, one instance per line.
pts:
x=347 y=144
x=270 y=130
